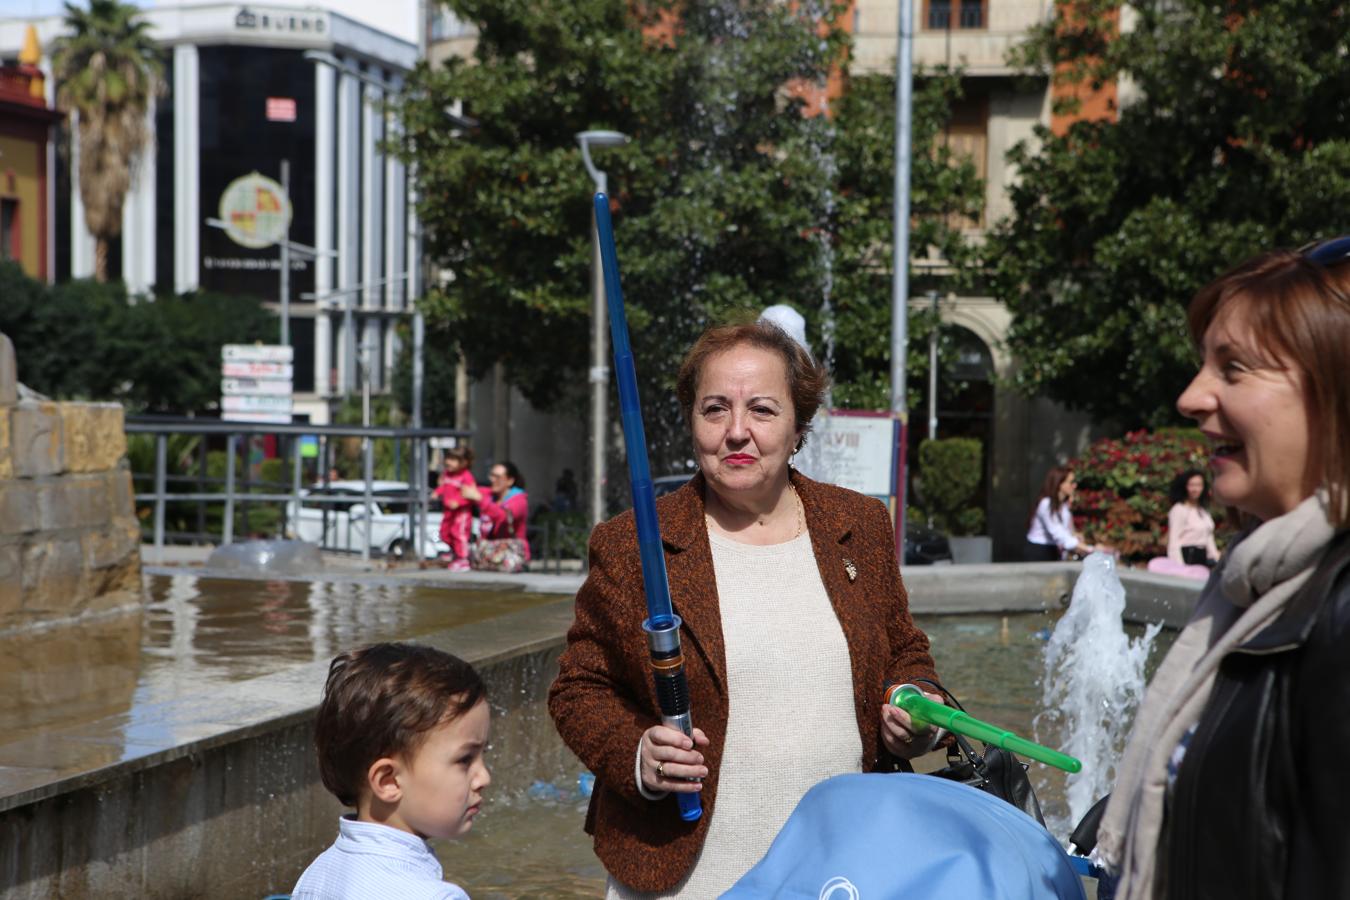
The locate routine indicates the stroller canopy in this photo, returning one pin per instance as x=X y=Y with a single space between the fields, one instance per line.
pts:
x=865 y=837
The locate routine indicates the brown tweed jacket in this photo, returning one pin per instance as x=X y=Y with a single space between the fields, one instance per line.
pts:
x=603 y=699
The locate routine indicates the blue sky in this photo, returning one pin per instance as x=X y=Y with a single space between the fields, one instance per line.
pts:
x=18 y=9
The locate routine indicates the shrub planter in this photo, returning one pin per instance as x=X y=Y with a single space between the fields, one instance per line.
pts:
x=978 y=548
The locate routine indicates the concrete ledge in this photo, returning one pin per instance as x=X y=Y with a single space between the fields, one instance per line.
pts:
x=989 y=587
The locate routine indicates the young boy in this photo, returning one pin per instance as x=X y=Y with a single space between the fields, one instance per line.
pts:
x=400 y=733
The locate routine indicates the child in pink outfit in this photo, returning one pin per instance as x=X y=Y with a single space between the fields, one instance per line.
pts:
x=456 y=511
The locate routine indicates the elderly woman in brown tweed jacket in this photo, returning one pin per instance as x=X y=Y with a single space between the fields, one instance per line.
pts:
x=795 y=619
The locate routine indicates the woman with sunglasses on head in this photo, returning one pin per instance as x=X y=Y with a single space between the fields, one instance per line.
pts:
x=1232 y=785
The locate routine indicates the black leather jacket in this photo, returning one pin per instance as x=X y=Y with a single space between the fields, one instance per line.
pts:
x=1261 y=805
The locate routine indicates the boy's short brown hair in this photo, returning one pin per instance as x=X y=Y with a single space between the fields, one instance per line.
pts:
x=382 y=700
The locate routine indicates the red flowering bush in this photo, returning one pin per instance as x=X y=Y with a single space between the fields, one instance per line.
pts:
x=1122 y=498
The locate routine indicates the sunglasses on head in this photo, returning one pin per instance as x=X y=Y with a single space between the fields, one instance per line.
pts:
x=1327 y=253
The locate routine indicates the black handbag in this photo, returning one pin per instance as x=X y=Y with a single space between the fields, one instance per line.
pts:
x=995 y=771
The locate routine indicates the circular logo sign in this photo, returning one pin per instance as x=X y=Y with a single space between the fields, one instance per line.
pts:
x=256 y=211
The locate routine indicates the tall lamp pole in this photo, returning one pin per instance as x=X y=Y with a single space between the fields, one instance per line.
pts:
x=599 y=374
x=904 y=105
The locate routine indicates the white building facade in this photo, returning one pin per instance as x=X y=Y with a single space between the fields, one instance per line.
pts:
x=241 y=97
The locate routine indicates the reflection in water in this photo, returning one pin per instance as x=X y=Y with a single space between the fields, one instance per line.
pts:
x=200 y=632
x=68 y=675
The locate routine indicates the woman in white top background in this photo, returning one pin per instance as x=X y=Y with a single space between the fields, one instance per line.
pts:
x=1190 y=527
x=1050 y=535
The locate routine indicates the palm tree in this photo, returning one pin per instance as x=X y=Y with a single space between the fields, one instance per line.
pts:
x=108 y=70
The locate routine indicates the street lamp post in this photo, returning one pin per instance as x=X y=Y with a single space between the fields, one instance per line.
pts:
x=904 y=106
x=599 y=374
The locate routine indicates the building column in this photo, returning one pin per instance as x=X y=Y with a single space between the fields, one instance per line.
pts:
x=372 y=198
x=395 y=186
x=138 y=218
x=187 y=214
x=81 y=241
x=325 y=149
x=348 y=228
x=372 y=228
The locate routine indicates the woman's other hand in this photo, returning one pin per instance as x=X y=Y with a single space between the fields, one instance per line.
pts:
x=470 y=493
x=669 y=758
x=901 y=736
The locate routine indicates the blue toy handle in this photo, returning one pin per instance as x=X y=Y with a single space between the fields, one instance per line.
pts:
x=662 y=625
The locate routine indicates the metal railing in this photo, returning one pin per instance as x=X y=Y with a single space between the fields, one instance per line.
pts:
x=162 y=428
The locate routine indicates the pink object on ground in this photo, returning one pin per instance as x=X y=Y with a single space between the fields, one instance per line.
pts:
x=1164 y=566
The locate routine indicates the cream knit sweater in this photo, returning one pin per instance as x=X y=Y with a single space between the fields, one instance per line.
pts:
x=791 y=722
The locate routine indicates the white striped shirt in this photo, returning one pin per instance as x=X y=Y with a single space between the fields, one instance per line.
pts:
x=370 y=861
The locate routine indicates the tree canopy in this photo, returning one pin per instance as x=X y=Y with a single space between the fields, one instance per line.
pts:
x=727 y=199
x=83 y=341
x=1233 y=140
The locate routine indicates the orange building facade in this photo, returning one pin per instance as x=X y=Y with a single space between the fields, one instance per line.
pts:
x=25 y=132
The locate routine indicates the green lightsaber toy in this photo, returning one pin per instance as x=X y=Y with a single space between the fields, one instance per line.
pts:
x=929 y=712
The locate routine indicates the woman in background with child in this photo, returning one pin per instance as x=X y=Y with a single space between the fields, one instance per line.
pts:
x=503 y=545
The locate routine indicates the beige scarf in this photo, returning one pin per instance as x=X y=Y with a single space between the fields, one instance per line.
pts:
x=1248 y=590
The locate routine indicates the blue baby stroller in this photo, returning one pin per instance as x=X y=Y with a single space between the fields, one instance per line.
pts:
x=861 y=837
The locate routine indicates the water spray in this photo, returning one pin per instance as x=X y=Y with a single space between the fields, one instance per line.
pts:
x=929 y=712
x=662 y=625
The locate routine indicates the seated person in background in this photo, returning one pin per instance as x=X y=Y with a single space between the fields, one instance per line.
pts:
x=503 y=546
x=400 y=733
x=1190 y=527
x=1050 y=534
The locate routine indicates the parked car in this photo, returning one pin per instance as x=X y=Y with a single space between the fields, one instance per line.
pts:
x=334 y=517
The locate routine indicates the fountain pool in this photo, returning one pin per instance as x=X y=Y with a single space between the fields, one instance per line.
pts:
x=167 y=754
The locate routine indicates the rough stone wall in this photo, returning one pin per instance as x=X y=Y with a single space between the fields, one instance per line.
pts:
x=69 y=540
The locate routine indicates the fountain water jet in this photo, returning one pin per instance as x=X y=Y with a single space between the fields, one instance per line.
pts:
x=1093 y=682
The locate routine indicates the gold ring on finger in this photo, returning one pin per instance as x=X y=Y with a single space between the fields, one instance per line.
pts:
x=660 y=770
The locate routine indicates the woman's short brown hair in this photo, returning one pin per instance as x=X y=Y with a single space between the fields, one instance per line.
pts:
x=1299 y=311
x=807 y=379
x=383 y=700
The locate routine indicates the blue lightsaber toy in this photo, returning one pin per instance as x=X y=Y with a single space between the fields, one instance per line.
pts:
x=662 y=625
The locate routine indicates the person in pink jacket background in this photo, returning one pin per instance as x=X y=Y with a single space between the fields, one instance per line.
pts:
x=1190 y=528
x=457 y=490
x=506 y=508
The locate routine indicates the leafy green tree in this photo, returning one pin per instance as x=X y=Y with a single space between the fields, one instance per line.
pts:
x=727 y=200
x=1236 y=143
x=89 y=341
x=108 y=71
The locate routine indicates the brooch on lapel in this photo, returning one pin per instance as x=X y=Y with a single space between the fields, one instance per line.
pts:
x=851 y=570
